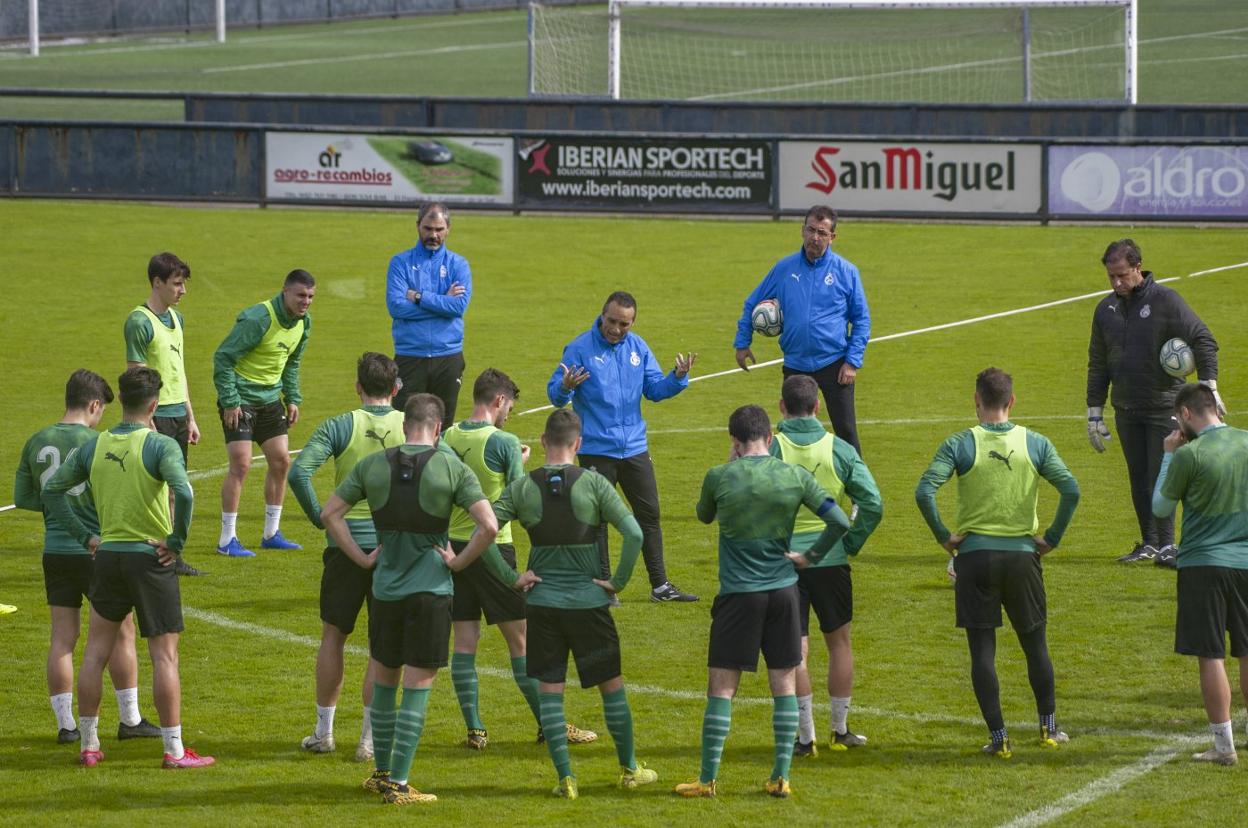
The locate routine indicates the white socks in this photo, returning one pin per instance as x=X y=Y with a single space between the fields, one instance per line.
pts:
x=366 y=730
x=89 y=726
x=840 y=714
x=1223 y=737
x=63 y=707
x=173 y=741
x=128 y=706
x=805 y=720
x=272 y=519
x=229 y=527
x=324 y=721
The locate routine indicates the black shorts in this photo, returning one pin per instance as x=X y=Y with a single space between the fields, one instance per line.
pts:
x=345 y=587
x=67 y=578
x=414 y=630
x=742 y=623
x=123 y=581
x=257 y=423
x=590 y=635
x=478 y=592
x=830 y=591
x=178 y=428
x=989 y=579
x=1213 y=601
x=441 y=376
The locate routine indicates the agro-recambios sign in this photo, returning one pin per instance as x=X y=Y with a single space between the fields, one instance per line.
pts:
x=623 y=172
x=1182 y=182
x=321 y=166
x=909 y=176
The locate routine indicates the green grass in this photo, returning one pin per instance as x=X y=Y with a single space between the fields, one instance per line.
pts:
x=248 y=698
x=471 y=172
x=1191 y=51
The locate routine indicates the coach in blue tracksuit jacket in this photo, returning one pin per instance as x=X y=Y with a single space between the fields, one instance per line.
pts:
x=604 y=373
x=826 y=322
x=427 y=293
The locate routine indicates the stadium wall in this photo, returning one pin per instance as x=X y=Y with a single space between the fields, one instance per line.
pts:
x=883 y=176
x=952 y=120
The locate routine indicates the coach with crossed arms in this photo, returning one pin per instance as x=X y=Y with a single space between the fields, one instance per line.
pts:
x=826 y=321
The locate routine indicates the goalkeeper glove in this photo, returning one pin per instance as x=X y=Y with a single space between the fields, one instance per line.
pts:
x=1212 y=385
x=1098 y=432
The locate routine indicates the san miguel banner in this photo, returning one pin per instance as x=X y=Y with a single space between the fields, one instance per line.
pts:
x=322 y=166
x=641 y=172
x=910 y=176
x=1160 y=181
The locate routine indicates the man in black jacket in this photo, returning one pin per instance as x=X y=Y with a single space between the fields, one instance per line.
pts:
x=1128 y=329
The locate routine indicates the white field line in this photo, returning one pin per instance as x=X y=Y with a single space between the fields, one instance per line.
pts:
x=441 y=50
x=1217 y=270
x=929 y=329
x=951 y=67
x=243 y=40
x=218 y=620
x=203 y=474
x=1103 y=787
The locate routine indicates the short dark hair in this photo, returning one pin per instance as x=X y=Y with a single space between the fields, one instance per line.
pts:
x=1196 y=398
x=138 y=386
x=800 y=394
x=562 y=427
x=164 y=266
x=995 y=387
x=490 y=384
x=821 y=212
x=433 y=207
x=1123 y=249
x=749 y=423
x=299 y=277
x=422 y=411
x=622 y=298
x=83 y=387
x=376 y=374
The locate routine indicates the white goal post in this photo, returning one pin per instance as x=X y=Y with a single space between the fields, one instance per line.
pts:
x=35 y=32
x=1040 y=46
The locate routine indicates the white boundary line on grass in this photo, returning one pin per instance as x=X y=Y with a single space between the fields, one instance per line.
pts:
x=440 y=50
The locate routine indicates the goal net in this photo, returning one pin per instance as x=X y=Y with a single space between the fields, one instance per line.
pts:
x=941 y=51
x=44 y=22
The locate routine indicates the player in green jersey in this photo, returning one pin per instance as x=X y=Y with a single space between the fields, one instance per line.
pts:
x=410 y=490
x=256 y=372
x=561 y=506
x=345 y=585
x=995 y=546
x=497 y=458
x=154 y=337
x=131 y=469
x=67 y=565
x=1205 y=466
x=826 y=587
x=756 y=498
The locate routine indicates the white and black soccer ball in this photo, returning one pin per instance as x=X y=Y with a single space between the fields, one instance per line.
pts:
x=1177 y=358
x=766 y=318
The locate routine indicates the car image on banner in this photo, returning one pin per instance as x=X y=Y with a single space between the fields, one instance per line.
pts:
x=1161 y=181
x=389 y=168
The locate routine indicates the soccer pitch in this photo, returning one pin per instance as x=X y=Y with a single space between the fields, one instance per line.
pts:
x=1190 y=52
x=1132 y=707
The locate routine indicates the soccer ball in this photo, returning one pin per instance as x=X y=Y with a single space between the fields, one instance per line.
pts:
x=767 y=318
x=1177 y=358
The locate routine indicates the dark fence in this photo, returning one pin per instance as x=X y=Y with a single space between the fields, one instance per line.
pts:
x=961 y=120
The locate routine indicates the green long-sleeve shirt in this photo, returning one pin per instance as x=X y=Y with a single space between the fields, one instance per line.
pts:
x=956 y=455
x=249 y=328
x=163 y=460
x=138 y=334
x=860 y=487
x=43 y=454
x=568 y=572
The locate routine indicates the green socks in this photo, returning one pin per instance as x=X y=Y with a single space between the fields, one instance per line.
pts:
x=715 y=725
x=382 y=713
x=464 y=677
x=620 y=724
x=784 y=726
x=528 y=686
x=555 y=728
x=407 y=730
